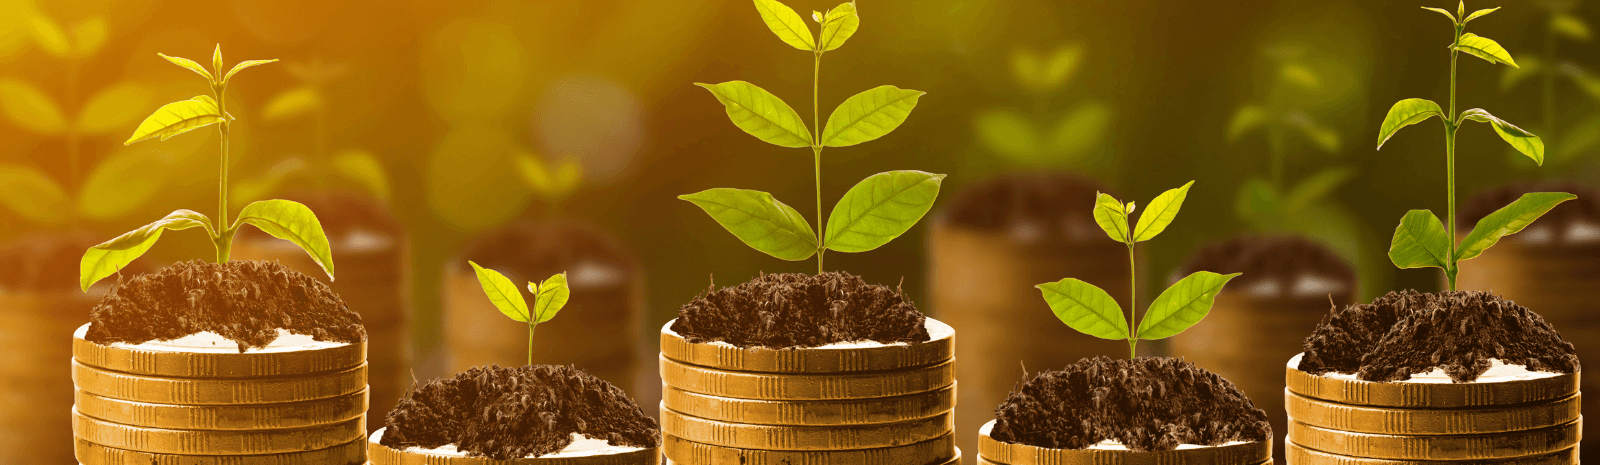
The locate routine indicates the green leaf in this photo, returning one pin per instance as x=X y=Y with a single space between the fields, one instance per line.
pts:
x=1316 y=187
x=1444 y=12
x=1086 y=308
x=1405 y=113
x=191 y=66
x=761 y=114
x=1302 y=76
x=1321 y=136
x=880 y=208
x=33 y=195
x=549 y=296
x=89 y=35
x=1530 y=66
x=261 y=187
x=550 y=185
x=242 y=65
x=292 y=222
x=1420 y=241
x=1478 y=13
x=1580 y=139
x=787 y=24
x=1523 y=141
x=49 y=35
x=114 y=107
x=363 y=168
x=502 y=292
x=1112 y=216
x=30 y=108
x=1182 y=305
x=1483 y=47
x=1244 y=120
x=1580 y=77
x=1508 y=220
x=1570 y=26
x=1160 y=213
x=759 y=220
x=838 y=25
x=123 y=182
x=111 y=256
x=1041 y=74
x=177 y=118
x=291 y=103
x=1079 y=130
x=1008 y=133
x=869 y=115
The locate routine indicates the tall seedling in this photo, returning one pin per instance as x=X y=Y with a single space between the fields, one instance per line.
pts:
x=548 y=298
x=1421 y=240
x=1091 y=310
x=283 y=219
x=875 y=211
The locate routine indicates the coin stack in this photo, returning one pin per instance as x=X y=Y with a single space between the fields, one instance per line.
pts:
x=994 y=452
x=1530 y=419
x=851 y=403
x=181 y=402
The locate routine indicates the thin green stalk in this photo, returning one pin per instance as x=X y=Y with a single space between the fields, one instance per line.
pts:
x=225 y=237
x=816 y=152
x=531 y=327
x=1450 y=165
x=1133 y=304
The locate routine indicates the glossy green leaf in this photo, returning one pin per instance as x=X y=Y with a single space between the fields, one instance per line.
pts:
x=787 y=24
x=549 y=296
x=1420 y=241
x=1524 y=141
x=1483 y=47
x=880 y=208
x=261 y=187
x=244 y=65
x=1316 y=187
x=501 y=292
x=28 y=107
x=88 y=36
x=761 y=114
x=1477 y=14
x=1182 y=305
x=1247 y=118
x=1405 y=113
x=33 y=195
x=291 y=103
x=1112 y=217
x=114 y=107
x=1442 y=11
x=1080 y=130
x=177 y=118
x=190 y=65
x=1509 y=220
x=292 y=222
x=111 y=256
x=838 y=25
x=363 y=167
x=1009 y=134
x=1086 y=308
x=1571 y=27
x=869 y=115
x=759 y=220
x=1160 y=213
x=123 y=182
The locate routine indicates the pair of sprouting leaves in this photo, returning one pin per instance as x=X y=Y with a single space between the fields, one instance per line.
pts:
x=554 y=181
x=548 y=296
x=1090 y=310
x=280 y=218
x=1009 y=133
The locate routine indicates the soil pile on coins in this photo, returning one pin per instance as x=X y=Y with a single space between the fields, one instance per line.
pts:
x=800 y=310
x=1146 y=404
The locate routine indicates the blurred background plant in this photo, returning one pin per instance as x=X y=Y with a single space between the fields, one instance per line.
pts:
x=1035 y=132
x=1570 y=127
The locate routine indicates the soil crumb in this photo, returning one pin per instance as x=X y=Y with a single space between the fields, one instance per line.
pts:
x=244 y=301
x=1278 y=262
x=511 y=413
x=1561 y=220
x=1147 y=404
x=1047 y=207
x=1409 y=332
x=791 y=310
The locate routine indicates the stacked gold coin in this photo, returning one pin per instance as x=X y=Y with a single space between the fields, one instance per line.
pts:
x=995 y=452
x=851 y=403
x=1528 y=418
x=195 y=403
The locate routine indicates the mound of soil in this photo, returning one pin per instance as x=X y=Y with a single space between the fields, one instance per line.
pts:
x=1147 y=404
x=528 y=251
x=1584 y=209
x=1405 y=333
x=791 y=310
x=511 y=413
x=1029 y=206
x=1282 y=259
x=245 y=301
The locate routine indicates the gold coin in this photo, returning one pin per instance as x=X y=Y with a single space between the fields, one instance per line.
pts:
x=798 y=438
x=1021 y=454
x=193 y=442
x=1437 y=447
x=685 y=451
x=220 y=361
x=352 y=453
x=813 y=359
x=1428 y=395
x=224 y=417
x=200 y=391
x=1301 y=455
x=806 y=386
x=953 y=460
x=1381 y=420
x=383 y=455
x=811 y=412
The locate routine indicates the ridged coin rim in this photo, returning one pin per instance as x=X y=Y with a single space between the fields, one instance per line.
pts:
x=224 y=417
x=804 y=438
x=88 y=453
x=810 y=412
x=380 y=454
x=215 y=365
x=1022 y=454
x=190 y=442
x=1427 y=395
x=804 y=386
x=685 y=451
x=812 y=359
x=1437 y=447
x=1388 y=420
x=1296 y=453
x=201 y=391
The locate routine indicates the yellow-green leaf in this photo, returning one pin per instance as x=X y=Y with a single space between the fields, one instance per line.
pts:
x=1316 y=187
x=1509 y=220
x=1301 y=75
x=33 y=195
x=1321 y=136
x=1079 y=130
x=111 y=256
x=1405 y=113
x=49 y=35
x=30 y=108
x=1524 y=141
x=1420 y=241
x=293 y=222
x=1442 y=11
x=177 y=118
x=869 y=115
x=122 y=182
x=1007 y=132
x=1570 y=26
x=1477 y=14
x=549 y=296
x=1182 y=305
x=1160 y=213
x=291 y=103
x=113 y=108
x=1483 y=47
x=1244 y=120
x=241 y=66
x=838 y=25
x=502 y=292
x=761 y=114
x=89 y=35
x=550 y=185
x=880 y=208
x=216 y=60
x=363 y=168
x=759 y=221
x=190 y=65
x=1112 y=217
x=787 y=24
x=1086 y=308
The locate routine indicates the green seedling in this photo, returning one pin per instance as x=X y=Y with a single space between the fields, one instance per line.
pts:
x=309 y=100
x=283 y=219
x=1421 y=241
x=1578 y=138
x=875 y=211
x=548 y=298
x=1272 y=202
x=552 y=182
x=1091 y=310
x=1036 y=135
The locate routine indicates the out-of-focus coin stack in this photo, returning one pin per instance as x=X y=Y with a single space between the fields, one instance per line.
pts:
x=994 y=452
x=1529 y=419
x=840 y=404
x=201 y=403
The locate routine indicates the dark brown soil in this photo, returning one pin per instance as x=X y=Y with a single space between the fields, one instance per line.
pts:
x=47 y=261
x=1281 y=258
x=1029 y=205
x=1585 y=208
x=791 y=310
x=511 y=413
x=529 y=251
x=1404 y=333
x=245 y=301
x=1147 y=404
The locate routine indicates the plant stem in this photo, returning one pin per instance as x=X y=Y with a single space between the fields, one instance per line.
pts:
x=1450 y=166
x=816 y=153
x=224 y=240
x=531 y=327
x=1133 y=304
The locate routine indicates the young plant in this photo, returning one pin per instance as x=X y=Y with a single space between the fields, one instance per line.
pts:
x=1038 y=135
x=1090 y=310
x=548 y=298
x=1578 y=138
x=875 y=211
x=310 y=100
x=1273 y=203
x=1421 y=240
x=283 y=219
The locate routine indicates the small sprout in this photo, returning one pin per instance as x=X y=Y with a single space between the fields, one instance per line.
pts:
x=548 y=298
x=1090 y=310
